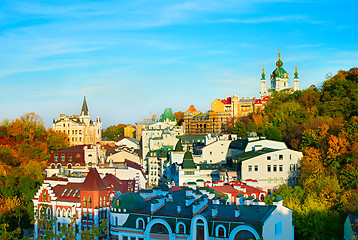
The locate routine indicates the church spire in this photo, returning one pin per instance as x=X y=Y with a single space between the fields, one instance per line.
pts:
x=296 y=73
x=263 y=75
x=84 y=110
x=279 y=62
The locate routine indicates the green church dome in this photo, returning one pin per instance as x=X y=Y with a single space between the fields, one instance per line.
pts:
x=129 y=201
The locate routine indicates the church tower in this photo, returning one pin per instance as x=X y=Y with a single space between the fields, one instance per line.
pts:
x=279 y=77
x=263 y=83
x=295 y=81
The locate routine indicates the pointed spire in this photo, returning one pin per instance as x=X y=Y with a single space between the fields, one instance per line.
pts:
x=296 y=73
x=263 y=75
x=93 y=181
x=84 y=110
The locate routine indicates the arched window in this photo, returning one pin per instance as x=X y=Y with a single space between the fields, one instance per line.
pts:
x=58 y=212
x=69 y=166
x=58 y=165
x=244 y=235
x=89 y=202
x=53 y=166
x=100 y=202
x=104 y=202
x=62 y=157
x=69 y=213
x=56 y=157
x=221 y=232
x=69 y=157
x=63 y=213
x=140 y=223
x=45 y=196
x=159 y=228
x=181 y=228
x=84 y=202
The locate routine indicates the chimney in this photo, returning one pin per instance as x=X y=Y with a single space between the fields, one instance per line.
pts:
x=237 y=212
x=278 y=202
x=215 y=200
x=170 y=197
x=179 y=208
x=137 y=183
x=249 y=200
x=214 y=211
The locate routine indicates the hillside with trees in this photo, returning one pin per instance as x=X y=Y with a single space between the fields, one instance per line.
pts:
x=322 y=122
x=25 y=146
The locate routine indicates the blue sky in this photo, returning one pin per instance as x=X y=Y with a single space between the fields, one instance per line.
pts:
x=134 y=58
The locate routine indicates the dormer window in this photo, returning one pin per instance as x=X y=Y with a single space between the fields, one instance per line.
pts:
x=64 y=192
x=56 y=157
x=69 y=157
x=62 y=157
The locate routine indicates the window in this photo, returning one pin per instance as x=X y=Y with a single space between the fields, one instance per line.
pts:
x=69 y=166
x=69 y=192
x=53 y=166
x=269 y=180
x=90 y=216
x=132 y=238
x=181 y=229
x=58 y=213
x=250 y=168
x=140 y=224
x=280 y=157
x=221 y=232
x=268 y=157
x=69 y=157
x=63 y=157
x=100 y=202
x=84 y=202
x=211 y=153
x=280 y=168
x=56 y=157
x=256 y=168
x=188 y=172
x=269 y=168
x=64 y=192
x=281 y=180
x=104 y=201
x=275 y=168
x=89 y=202
x=125 y=238
x=159 y=228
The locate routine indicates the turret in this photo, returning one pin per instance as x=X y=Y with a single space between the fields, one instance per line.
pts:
x=263 y=83
x=295 y=81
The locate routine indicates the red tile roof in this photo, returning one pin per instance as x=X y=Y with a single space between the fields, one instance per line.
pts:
x=76 y=152
x=93 y=181
x=226 y=100
x=191 y=109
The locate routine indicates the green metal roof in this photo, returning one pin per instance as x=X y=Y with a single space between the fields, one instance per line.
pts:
x=168 y=114
x=248 y=155
x=129 y=201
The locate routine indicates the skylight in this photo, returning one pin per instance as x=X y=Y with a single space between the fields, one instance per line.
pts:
x=64 y=192
x=68 y=194
x=75 y=192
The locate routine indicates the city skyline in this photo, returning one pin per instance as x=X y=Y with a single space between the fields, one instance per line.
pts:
x=135 y=58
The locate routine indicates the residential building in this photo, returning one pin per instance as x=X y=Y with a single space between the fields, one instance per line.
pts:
x=269 y=167
x=189 y=214
x=80 y=129
x=129 y=142
x=351 y=227
x=88 y=199
x=77 y=160
x=129 y=131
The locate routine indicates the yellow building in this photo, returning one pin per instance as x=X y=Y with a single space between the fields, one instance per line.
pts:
x=80 y=129
x=129 y=131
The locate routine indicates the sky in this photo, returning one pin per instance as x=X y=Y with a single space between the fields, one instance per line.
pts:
x=134 y=58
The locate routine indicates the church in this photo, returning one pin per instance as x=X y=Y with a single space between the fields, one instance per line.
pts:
x=279 y=80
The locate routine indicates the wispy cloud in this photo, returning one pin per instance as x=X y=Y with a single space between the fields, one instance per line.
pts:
x=286 y=18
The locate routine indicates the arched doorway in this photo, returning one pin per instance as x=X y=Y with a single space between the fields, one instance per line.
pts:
x=159 y=231
x=200 y=229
